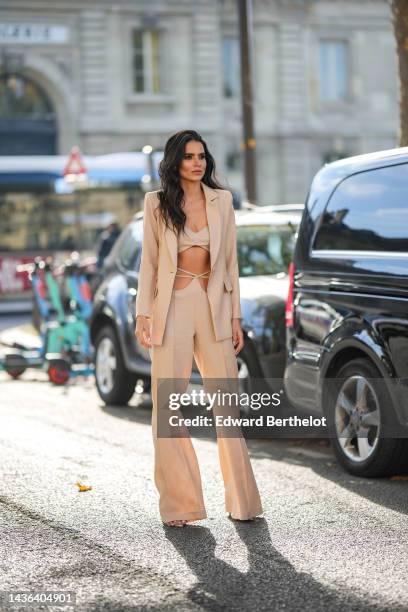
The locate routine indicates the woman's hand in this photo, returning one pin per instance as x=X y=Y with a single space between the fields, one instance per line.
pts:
x=143 y=331
x=237 y=335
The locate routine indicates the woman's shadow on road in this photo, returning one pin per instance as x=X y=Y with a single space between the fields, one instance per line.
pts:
x=271 y=583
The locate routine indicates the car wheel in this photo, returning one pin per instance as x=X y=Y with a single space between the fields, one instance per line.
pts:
x=115 y=384
x=357 y=409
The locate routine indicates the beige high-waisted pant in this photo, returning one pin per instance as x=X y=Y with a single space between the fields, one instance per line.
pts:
x=189 y=332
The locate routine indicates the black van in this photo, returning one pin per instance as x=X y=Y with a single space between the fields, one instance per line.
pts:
x=347 y=310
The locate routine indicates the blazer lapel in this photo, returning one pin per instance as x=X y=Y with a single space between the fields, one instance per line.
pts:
x=214 y=227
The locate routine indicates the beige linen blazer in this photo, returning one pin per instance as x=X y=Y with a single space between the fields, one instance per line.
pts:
x=158 y=264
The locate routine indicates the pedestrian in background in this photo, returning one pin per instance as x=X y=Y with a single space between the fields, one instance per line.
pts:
x=106 y=242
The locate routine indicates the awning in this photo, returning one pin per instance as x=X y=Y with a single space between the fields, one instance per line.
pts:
x=45 y=173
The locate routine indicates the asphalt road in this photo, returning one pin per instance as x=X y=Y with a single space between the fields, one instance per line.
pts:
x=328 y=541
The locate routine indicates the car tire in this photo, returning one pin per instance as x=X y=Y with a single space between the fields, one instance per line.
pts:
x=147 y=385
x=368 y=455
x=115 y=384
x=248 y=368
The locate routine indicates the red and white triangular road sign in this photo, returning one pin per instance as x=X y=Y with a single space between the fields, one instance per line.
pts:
x=75 y=166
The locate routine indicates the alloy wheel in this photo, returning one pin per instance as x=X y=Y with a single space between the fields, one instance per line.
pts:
x=357 y=418
x=105 y=365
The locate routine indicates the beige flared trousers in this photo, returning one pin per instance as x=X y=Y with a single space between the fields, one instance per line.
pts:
x=189 y=332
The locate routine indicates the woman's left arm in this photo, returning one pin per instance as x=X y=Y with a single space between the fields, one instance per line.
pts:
x=232 y=259
x=233 y=272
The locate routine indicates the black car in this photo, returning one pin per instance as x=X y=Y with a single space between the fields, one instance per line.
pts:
x=265 y=243
x=347 y=310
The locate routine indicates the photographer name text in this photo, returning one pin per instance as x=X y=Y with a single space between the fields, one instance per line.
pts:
x=259 y=421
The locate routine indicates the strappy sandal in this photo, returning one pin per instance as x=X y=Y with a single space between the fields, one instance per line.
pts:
x=176 y=523
x=252 y=518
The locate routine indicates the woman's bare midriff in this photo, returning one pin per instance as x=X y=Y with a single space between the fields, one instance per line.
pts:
x=195 y=259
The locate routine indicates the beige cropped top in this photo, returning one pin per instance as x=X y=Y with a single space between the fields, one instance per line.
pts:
x=190 y=238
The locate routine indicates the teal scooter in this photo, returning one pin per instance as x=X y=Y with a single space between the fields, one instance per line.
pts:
x=65 y=347
x=20 y=357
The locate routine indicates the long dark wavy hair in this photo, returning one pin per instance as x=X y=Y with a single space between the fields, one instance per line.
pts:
x=171 y=194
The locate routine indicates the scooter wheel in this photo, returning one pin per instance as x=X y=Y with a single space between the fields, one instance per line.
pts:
x=15 y=365
x=58 y=372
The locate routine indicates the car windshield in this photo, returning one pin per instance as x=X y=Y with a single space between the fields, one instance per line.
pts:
x=265 y=249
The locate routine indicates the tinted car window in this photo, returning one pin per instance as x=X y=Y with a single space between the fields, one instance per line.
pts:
x=132 y=244
x=368 y=211
x=264 y=249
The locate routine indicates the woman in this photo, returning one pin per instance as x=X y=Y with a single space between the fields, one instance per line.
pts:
x=188 y=305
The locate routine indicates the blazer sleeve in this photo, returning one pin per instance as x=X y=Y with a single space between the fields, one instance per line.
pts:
x=149 y=261
x=232 y=259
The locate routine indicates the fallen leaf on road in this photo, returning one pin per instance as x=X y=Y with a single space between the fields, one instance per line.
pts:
x=83 y=487
x=399 y=478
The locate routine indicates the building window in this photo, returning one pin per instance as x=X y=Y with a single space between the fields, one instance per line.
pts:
x=146 y=46
x=333 y=70
x=27 y=118
x=20 y=97
x=231 y=67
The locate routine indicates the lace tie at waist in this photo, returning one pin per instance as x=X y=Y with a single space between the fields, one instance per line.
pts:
x=192 y=274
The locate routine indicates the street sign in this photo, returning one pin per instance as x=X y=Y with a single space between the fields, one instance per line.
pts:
x=75 y=170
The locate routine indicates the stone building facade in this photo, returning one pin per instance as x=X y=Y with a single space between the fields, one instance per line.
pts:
x=116 y=75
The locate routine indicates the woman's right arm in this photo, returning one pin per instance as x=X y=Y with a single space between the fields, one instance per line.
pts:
x=149 y=260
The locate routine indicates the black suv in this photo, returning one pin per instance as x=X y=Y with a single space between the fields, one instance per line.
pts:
x=347 y=310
